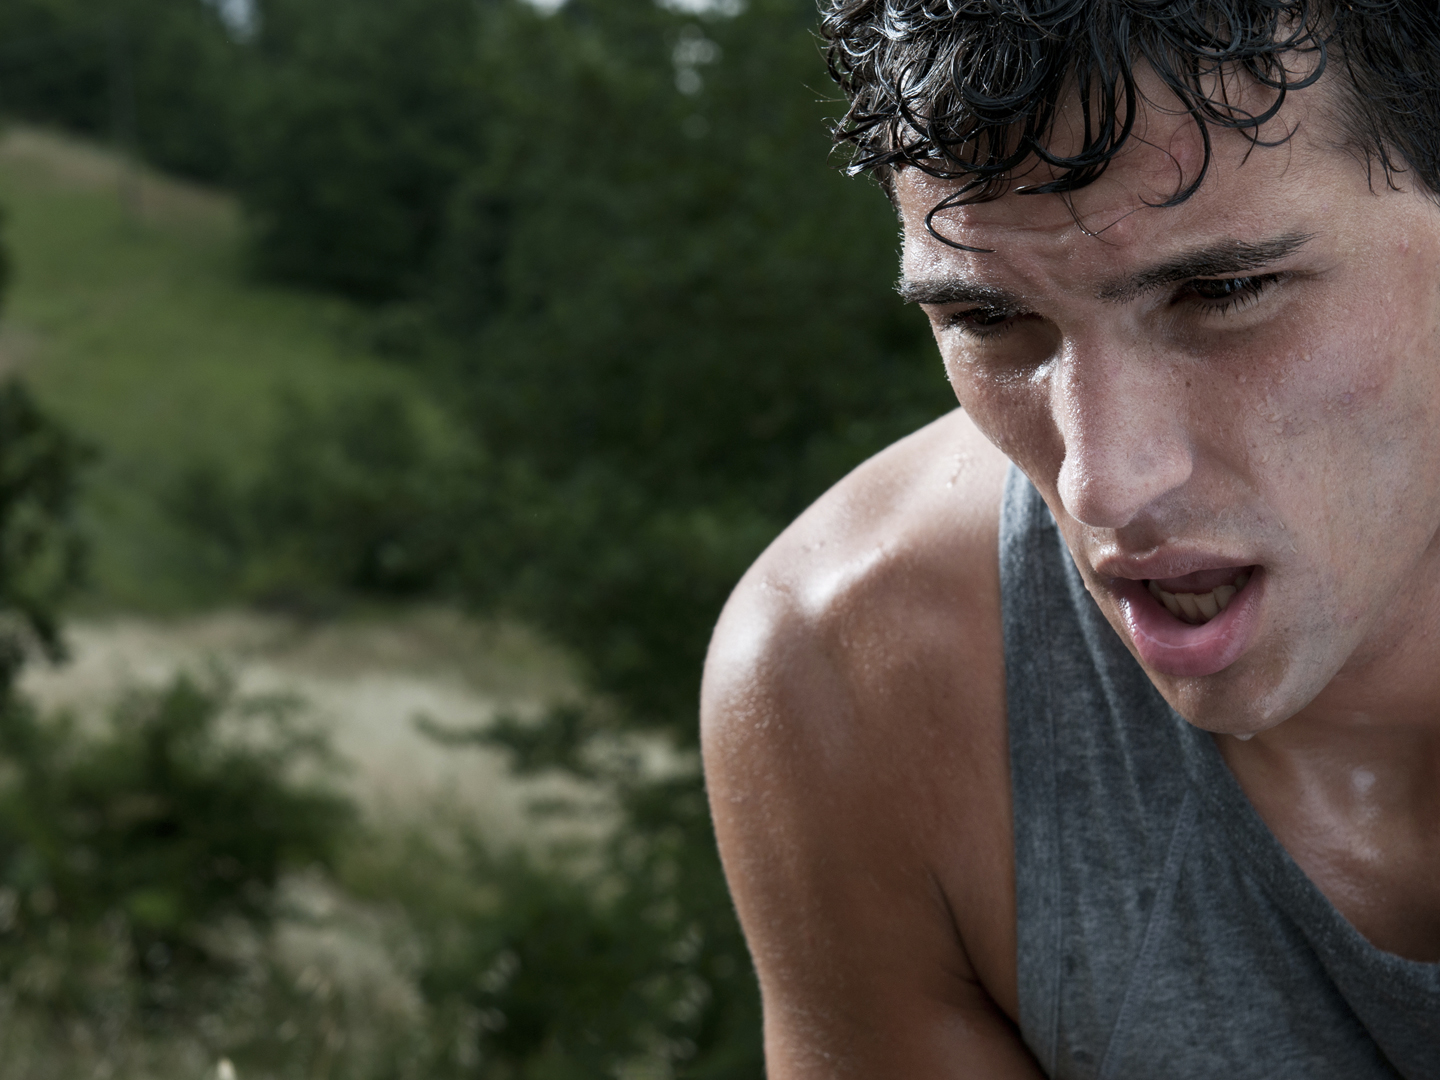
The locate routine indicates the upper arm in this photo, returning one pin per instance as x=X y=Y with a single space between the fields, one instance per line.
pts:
x=851 y=772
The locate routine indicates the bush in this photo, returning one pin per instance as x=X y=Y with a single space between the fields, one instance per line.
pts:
x=628 y=965
x=154 y=831
x=363 y=496
x=41 y=547
x=136 y=857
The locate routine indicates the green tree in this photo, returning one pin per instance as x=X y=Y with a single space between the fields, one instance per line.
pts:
x=164 y=74
x=684 y=330
x=359 y=118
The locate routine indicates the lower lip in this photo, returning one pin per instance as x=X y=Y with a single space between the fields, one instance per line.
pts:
x=1171 y=647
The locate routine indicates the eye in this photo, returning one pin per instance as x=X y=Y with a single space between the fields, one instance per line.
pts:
x=979 y=322
x=1226 y=295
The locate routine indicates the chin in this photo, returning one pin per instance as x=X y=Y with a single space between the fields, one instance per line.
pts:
x=1249 y=697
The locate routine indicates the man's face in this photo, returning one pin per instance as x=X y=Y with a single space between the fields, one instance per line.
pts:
x=1232 y=405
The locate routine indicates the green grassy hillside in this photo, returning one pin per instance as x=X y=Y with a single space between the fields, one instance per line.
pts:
x=132 y=317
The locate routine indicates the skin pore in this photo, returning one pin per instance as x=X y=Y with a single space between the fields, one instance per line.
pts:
x=1244 y=384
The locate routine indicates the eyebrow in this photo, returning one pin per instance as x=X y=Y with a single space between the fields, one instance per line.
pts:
x=1217 y=260
x=954 y=291
x=1214 y=260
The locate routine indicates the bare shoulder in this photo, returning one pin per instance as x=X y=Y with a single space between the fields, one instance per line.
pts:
x=854 y=738
x=882 y=579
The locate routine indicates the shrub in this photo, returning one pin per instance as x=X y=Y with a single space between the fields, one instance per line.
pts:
x=41 y=546
x=360 y=497
x=182 y=812
x=625 y=965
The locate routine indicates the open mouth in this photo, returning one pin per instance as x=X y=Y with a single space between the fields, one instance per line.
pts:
x=1195 y=624
x=1197 y=607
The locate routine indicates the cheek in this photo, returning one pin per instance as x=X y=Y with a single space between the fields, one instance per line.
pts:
x=1005 y=388
x=1014 y=413
x=1344 y=434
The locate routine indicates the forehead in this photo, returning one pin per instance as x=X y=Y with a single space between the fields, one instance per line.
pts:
x=1119 y=220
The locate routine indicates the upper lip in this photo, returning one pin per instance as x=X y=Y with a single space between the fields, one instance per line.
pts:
x=1162 y=565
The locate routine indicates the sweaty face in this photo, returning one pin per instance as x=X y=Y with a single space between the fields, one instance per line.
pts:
x=1232 y=406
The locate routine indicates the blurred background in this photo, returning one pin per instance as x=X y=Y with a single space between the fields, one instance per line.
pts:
x=391 y=392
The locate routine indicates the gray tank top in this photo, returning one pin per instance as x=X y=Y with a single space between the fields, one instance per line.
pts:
x=1164 y=933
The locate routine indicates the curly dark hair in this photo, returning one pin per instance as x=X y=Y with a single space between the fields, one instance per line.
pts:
x=969 y=89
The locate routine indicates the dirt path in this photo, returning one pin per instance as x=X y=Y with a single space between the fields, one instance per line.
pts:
x=365 y=680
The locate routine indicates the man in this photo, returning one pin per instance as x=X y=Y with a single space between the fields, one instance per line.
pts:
x=1155 y=791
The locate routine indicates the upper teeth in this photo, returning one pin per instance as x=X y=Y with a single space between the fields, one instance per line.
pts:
x=1200 y=607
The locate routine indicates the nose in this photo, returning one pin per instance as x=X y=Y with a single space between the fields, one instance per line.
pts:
x=1121 y=417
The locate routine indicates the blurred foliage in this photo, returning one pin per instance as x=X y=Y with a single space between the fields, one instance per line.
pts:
x=125 y=850
x=148 y=860
x=695 y=335
x=628 y=955
x=607 y=968
x=360 y=117
x=662 y=316
x=364 y=488
x=611 y=243
x=667 y=324
x=159 y=74
x=41 y=548
x=140 y=839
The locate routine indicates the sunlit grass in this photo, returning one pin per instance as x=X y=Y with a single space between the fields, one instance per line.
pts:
x=133 y=318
